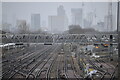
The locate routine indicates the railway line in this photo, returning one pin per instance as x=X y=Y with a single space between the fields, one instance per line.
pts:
x=18 y=58
x=12 y=57
x=55 y=70
x=35 y=65
x=53 y=61
x=70 y=70
x=44 y=65
x=102 y=67
x=109 y=69
x=25 y=61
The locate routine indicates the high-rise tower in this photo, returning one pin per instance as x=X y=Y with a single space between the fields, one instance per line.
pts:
x=35 y=22
x=109 y=19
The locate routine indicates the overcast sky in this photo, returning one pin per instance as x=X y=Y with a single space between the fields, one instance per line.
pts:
x=23 y=10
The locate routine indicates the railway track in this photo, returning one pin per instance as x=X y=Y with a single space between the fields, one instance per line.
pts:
x=108 y=72
x=14 y=57
x=48 y=63
x=44 y=62
x=50 y=68
x=18 y=61
x=56 y=65
x=71 y=69
x=47 y=66
x=26 y=61
x=36 y=63
x=104 y=72
x=60 y=69
x=76 y=70
x=42 y=56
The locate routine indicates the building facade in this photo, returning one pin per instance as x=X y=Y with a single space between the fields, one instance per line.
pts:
x=77 y=18
x=35 y=22
x=58 y=23
x=22 y=26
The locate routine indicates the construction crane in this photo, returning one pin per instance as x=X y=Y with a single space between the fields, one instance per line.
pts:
x=109 y=19
x=83 y=13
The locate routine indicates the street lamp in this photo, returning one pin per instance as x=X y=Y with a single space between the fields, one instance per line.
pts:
x=118 y=30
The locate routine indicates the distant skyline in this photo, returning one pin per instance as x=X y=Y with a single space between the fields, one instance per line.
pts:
x=23 y=10
x=35 y=22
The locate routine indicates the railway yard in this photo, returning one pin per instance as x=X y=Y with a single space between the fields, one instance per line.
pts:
x=58 y=61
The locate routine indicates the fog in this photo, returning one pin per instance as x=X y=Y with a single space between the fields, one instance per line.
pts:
x=13 y=11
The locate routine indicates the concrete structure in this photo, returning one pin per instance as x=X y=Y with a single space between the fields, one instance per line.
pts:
x=105 y=23
x=22 y=26
x=6 y=27
x=110 y=18
x=108 y=23
x=86 y=24
x=77 y=18
x=88 y=21
x=59 y=22
x=100 y=26
x=35 y=22
x=61 y=11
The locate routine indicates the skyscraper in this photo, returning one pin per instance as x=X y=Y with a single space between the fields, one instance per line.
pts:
x=88 y=21
x=77 y=16
x=35 y=22
x=105 y=23
x=110 y=20
x=61 y=11
x=59 y=22
x=108 y=23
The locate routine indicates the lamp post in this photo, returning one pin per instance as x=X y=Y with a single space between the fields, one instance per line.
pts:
x=118 y=30
x=111 y=48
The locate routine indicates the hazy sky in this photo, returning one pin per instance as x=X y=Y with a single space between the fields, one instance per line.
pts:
x=23 y=10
